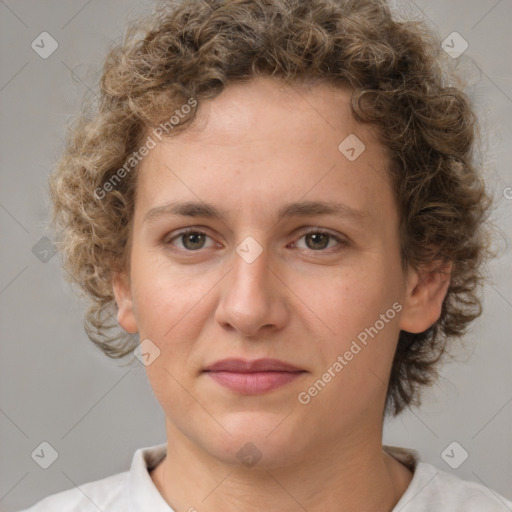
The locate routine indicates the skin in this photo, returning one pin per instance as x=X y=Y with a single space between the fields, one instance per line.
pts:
x=256 y=147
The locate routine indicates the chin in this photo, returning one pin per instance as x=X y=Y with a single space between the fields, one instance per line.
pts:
x=258 y=440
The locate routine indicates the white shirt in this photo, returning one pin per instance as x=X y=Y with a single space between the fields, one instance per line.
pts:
x=430 y=490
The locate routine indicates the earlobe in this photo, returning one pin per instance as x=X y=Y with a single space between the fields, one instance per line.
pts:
x=426 y=290
x=124 y=301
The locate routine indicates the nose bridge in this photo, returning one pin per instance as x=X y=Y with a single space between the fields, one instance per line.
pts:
x=250 y=266
x=250 y=284
x=249 y=300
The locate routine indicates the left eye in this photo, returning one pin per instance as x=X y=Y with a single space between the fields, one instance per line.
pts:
x=194 y=240
x=318 y=240
x=191 y=240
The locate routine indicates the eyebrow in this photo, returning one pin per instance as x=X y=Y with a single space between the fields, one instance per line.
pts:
x=296 y=209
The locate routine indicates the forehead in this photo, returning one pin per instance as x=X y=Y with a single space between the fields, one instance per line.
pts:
x=262 y=143
x=264 y=105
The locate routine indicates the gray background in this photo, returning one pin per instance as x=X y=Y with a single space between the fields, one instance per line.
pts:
x=55 y=386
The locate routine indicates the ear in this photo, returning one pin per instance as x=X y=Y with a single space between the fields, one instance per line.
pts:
x=124 y=301
x=426 y=290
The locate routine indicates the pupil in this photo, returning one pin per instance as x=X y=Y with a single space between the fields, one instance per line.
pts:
x=193 y=240
x=319 y=241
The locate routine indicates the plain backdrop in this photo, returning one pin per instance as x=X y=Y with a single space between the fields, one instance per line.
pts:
x=56 y=387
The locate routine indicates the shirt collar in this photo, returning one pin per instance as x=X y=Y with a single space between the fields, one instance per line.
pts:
x=407 y=456
x=144 y=495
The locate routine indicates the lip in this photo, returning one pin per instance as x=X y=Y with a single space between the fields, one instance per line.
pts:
x=257 y=365
x=252 y=377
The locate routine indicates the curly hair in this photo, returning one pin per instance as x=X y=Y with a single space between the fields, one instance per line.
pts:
x=193 y=49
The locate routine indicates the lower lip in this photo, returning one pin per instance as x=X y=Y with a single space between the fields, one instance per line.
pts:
x=253 y=383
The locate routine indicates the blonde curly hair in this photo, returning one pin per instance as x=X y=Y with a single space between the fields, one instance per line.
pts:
x=190 y=50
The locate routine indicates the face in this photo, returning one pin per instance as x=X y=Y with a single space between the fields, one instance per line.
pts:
x=255 y=237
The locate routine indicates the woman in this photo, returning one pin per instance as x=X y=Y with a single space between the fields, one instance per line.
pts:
x=277 y=202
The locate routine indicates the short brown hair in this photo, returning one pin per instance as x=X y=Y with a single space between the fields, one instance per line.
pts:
x=194 y=49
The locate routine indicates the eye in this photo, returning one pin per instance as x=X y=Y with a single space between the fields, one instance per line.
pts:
x=190 y=240
x=318 y=241
x=193 y=239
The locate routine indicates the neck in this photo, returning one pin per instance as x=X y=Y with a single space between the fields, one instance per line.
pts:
x=359 y=476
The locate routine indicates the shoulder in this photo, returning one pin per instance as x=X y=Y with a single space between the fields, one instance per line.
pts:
x=130 y=490
x=435 y=490
x=108 y=494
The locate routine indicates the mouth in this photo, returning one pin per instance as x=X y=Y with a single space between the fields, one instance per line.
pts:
x=253 y=377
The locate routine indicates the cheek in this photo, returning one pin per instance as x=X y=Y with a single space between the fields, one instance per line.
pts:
x=348 y=300
x=164 y=299
x=360 y=307
x=172 y=320
x=173 y=307
x=170 y=311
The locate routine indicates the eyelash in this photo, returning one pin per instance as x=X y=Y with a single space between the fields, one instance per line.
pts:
x=340 y=241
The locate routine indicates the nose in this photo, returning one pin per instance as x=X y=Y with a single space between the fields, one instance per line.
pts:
x=253 y=298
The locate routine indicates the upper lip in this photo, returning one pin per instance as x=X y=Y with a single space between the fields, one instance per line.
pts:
x=257 y=365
